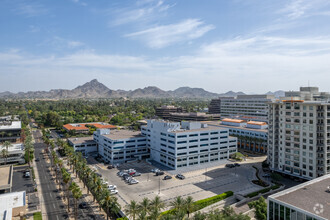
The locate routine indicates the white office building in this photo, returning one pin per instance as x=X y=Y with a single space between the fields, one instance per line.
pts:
x=299 y=138
x=85 y=145
x=246 y=107
x=251 y=136
x=176 y=144
x=119 y=146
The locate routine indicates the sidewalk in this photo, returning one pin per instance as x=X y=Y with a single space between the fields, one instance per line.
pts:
x=88 y=198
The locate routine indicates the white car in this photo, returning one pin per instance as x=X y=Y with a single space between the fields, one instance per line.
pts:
x=111 y=187
x=113 y=191
x=133 y=181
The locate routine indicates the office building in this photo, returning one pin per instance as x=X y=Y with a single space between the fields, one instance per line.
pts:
x=299 y=137
x=119 y=146
x=308 y=94
x=13 y=205
x=6 y=178
x=164 y=111
x=184 y=144
x=193 y=116
x=83 y=128
x=10 y=130
x=246 y=107
x=307 y=201
x=15 y=154
x=85 y=145
x=251 y=135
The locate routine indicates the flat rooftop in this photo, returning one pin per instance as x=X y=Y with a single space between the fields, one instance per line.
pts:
x=82 y=140
x=8 y=201
x=13 y=126
x=305 y=196
x=208 y=128
x=123 y=134
x=5 y=177
x=217 y=124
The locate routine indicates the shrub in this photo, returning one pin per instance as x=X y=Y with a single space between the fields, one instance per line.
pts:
x=253 y=194
x=37 y=216
x=200 y=204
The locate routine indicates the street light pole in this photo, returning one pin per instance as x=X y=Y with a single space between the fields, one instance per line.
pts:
x=159 y=186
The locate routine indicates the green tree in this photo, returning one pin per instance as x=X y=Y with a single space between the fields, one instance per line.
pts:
x=260 y=207
x=132 y=209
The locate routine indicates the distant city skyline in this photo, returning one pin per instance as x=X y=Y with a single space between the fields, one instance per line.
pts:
x=250 y=46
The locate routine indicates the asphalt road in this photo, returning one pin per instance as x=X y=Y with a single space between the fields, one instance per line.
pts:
x=54 y=206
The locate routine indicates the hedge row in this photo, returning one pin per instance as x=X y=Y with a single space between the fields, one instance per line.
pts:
x=200 y=204
x=253 y=194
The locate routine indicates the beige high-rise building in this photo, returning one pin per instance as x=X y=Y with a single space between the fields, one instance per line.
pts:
x=299 y=135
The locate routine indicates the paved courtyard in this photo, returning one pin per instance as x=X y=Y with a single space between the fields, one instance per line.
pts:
x=199 y=184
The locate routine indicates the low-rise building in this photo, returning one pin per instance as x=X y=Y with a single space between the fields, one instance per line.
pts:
x=83 y=128
x=13 y=205
x=85 y=145
x=175 y=144
x=307 y=201
x=119 y=146
x=10 y=130
x=164 y=111
x=6 y=177
x=251 y=136
x=15 y=154
x=193 y=116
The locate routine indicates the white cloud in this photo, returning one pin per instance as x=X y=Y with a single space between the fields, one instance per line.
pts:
x=256 y=64
x=30 y=9
x=165 y=35
x=144 y=11
x=304 y=8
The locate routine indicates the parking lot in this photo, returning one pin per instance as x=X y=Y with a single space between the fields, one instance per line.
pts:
x=20 y=183
x=199 y=184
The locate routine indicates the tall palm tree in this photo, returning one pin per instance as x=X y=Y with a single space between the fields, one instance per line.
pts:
x=157 y=205
x=66 y=179
x=178 y=203
x=144 y=206
x=132 y=209
x=7 y=145
x=76 y=192
x=142 y=216
x=189 y=205
x=200 y=216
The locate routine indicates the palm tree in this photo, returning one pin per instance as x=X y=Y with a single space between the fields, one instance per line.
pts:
x=4 y=154
x=144 y=206
x=7 y=144
x=142 y=216
x=66 y=179
x=154 y=213
x=132 y=209
x=200 y=216
x=76 y=192
x=189 y=205
x=178 y=203
x=157 y=203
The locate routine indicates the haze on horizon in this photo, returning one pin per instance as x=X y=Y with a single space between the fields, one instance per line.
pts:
x=250 y=46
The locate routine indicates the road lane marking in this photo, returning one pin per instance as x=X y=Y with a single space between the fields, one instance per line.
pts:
x=50 y=195
x=54 y=206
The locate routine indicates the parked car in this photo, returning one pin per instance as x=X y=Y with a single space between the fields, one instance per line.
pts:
x=133 y=181
x=230 y=165
x=167 y=177
x=155 y=170
x=180 y=176
x=113 y=191
x=27 y=174
x=112 y=187
x=159 y=173
x=237 y=164
x=98 y=174
x=136 y=174
x=37 y=159
x=110 y=167
x=83 y=205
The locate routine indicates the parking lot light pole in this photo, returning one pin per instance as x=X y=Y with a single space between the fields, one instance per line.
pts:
x=159 y=186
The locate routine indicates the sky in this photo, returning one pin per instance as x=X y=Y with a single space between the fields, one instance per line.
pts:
x=254 y=46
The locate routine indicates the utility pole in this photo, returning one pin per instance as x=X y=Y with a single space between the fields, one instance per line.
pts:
x=159 y=186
